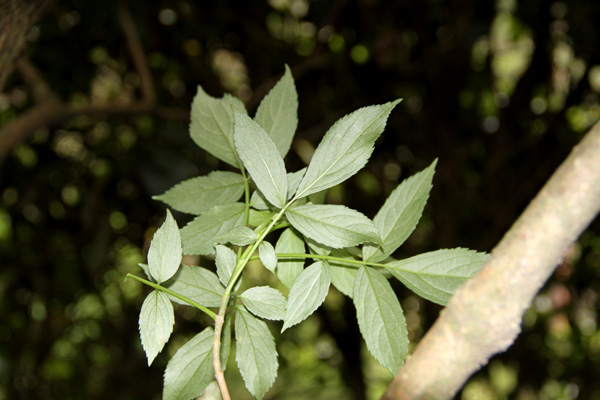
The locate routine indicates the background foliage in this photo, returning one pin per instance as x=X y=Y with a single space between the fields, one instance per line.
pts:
x=499 y=91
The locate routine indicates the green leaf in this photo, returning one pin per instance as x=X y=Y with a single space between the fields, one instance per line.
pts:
x=196 y=195
x=256 y=355
x=265 y=302
x=199 y=235
x=258 y=201
x=211 y=125
x=332 y=225
x=380 y=319
x=317 y=248
x=197 y=284
x=288 y=269
x=345 y=148
x=155 y=323
x=307 y=293
x=238 y=235
x=342 y=278
x=400 y=214
x=190 y=370
x=294 y=179
x=164 y=255
x=436 y=275
x=267 y=255
x=259 y=217
x=261 y=158
x=278 y=112
x=225 y=261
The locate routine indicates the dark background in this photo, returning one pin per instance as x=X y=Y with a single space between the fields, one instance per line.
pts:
x=498 y=91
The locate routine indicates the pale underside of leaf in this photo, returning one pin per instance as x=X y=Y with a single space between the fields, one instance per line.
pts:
x=288 y=269
x=211 y=125
x=225 y=261
x=238 y=235
x=307 y=293
x=400 y=214
x=190 y=370
x=265 y=302
x=267 y=255
x=155 y=323
x=197 y=284
x=164 y=255
x=436 y=275
x=256 y=355
x=199 y=194
x=335 y=226
x=380 y=319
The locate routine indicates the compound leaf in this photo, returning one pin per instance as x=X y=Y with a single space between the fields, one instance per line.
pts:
x=261 y=158
x=164 y=255
x=307 y=293
x=380 y=318
x=333 y=225
x=211 y=125
x=256 y=355
x=436 y=275
x=190 y=370
x=155 y=323
x=400 y=214
x=196 y=195
x=265 y=302
x=199 y=234
x=345 y=148
x=277 y=113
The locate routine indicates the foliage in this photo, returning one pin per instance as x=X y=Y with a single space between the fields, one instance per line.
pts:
x=224 y=227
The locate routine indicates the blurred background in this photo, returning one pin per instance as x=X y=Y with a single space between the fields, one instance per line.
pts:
x=98 y=112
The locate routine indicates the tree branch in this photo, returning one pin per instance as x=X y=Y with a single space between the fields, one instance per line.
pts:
x=484 y=315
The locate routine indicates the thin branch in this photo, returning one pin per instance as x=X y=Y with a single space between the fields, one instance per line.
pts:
x=484 y=315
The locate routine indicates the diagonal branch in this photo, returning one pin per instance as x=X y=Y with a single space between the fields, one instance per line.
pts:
x=484 y=316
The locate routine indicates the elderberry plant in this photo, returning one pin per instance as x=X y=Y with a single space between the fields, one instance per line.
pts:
x=291 y=204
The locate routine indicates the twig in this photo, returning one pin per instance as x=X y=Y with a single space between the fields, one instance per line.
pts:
x=484 y=316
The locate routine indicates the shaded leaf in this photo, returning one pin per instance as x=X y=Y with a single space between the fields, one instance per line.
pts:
x=155 y=323
x=277 y=113
x=259 y=217
x=335 y=226
x=190 y=370
x=307 y=293
x=345 y=148
x=437 y=274
x=211 y=125
x=265 y=302
x=256 y=355
x=164 y=255
x=199 y=235
x=294 y=179
x=225 y=262
x=342 y=278
x=289 y=269
x=380 y=319
x=238 y=235
x=196 y=195
x=400 y=214
x=197 y=284
x=267 y=255
x=261 y=158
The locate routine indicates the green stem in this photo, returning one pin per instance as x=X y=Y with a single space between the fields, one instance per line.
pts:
x=172 y=293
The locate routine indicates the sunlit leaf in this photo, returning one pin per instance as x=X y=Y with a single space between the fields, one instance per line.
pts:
x=155 y=323
x=196 y=195
x=256 y=355
x=164 y=255
x=380 y=318
x=265 y=302
x=437 y=274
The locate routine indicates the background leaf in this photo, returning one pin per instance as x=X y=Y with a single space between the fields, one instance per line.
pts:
x=164 y=255
x=267 y=255
x=211 y=125
x=261 y=158
x=265 y=302
x=400 y=214
x=196 y=195
x=256 y=355
x=307 y=293
x=436 y=275
x=198 y=284
x=380 y=318
x=345 y=148
x=199 y=235
x=225 y=262
x=155 y=323
x=335 y=226
x=294 y=179
x=277 y=113
x=288 y=269
x=190 y=370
